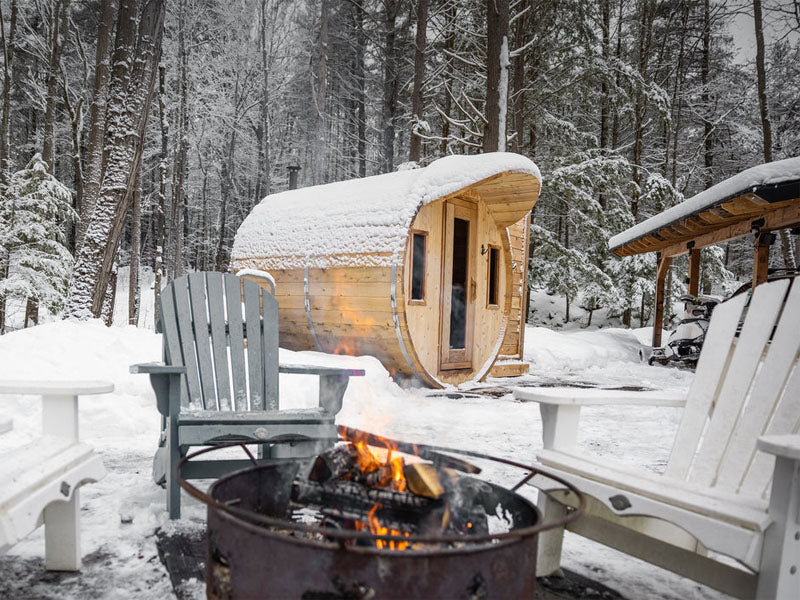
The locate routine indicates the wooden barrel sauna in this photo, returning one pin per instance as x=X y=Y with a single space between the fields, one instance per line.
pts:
x=420 y=268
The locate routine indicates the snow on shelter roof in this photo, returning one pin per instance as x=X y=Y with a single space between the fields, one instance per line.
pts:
x=777 y=172
x=360 y=222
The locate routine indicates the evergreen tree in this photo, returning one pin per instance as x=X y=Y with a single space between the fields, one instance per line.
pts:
x=34 y=210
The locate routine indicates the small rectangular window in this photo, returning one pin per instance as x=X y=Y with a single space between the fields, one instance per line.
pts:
x=494 y=275
x=418 y=267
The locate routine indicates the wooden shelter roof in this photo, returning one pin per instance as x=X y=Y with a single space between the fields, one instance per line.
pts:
x=766 y=196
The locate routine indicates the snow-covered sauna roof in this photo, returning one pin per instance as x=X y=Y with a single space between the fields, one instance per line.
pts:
x=762 y=189
x=365 y=222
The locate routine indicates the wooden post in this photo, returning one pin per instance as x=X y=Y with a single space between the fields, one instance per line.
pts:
x=661 y=276
x=761 y=257
x=694 y=271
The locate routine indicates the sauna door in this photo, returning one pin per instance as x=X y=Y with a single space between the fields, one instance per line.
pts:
x=458 y=285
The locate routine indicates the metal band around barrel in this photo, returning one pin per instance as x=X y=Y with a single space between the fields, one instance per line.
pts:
x=308 y=308
x=397 y=323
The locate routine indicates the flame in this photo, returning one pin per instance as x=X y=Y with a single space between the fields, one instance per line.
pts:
x=371 y=459
x=376 y=528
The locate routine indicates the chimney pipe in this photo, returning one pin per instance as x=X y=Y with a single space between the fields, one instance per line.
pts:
x=294 y=169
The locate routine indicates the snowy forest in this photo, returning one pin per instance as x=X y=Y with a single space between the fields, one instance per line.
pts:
x=140 y=133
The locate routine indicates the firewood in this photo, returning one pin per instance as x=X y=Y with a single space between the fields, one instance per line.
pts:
x=423 y=480
x=334 y=463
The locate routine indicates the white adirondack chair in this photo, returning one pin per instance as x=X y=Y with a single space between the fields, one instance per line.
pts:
x=39 y=481
x=731 y=489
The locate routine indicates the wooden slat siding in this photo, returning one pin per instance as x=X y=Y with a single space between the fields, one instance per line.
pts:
x=202 y=339
x=269 y=307
x=233 y=301
x=762 y=314
x=183 y=311
x=703 y=391
x=219 y=342
x=172 y=339
x=763 y=402
x=255 y=365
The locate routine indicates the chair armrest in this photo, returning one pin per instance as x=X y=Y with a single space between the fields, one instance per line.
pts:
x=313 y=370
x=162 y=378
x=157 y=368
x=561 y=408
x=597 y=397
x=785 y=446
x=332 y=383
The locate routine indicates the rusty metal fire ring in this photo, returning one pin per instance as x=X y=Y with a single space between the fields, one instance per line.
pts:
x=255 y=519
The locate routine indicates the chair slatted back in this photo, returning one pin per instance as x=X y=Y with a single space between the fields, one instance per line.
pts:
x=224 y=330
x=744 y=387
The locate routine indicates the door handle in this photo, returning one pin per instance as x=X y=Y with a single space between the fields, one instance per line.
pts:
x=473 y=290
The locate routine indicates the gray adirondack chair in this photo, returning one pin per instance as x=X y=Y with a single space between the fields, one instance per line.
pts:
x=219 y=380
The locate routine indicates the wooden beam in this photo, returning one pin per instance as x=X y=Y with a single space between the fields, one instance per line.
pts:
x=661 y=277
x=694 y=271
x=761 y=258
x=786 y=216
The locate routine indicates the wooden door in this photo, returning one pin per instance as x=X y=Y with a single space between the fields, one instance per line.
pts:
x=458 y=285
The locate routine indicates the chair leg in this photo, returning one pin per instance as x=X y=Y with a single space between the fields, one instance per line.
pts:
x=779 y=576
x=548 y=560
x=173 y=488
x=62 y=535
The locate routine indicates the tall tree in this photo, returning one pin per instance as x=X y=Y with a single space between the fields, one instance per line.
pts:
x=497 y=62
x=415 y=151
x=136 y=51
x=97 y=113
x=766 y=126
x=391 y=10
x=60 y=32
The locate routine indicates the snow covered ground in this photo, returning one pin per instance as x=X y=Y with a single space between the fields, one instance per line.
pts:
x=121 y=512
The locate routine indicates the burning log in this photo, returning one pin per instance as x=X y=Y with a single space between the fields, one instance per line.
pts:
x=423 y=480
x=351 y=500
x=334 y=463
x=442 y=460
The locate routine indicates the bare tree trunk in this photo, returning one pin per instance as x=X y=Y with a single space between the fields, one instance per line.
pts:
x=647 y=9
x=8 y=59
x=361 y=43
x=263 y=182
x=97 y=115
x=158 y=266
x=518 y=84
x=60 y=29
x=389 y=112
x=130 y=94
x=76 y=121
x=494 y=135
x=321 y=151
x=181 y=156
x=415 y=151
x=708 y=129
x=136 y=237
x=677 y=102
x=766 y=128
x=448 y=77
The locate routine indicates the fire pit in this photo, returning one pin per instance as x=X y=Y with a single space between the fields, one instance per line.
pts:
x=371 y=518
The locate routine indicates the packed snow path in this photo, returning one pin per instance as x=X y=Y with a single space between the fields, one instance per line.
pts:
x=122 y=512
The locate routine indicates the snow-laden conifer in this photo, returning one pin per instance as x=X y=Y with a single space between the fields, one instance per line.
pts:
x=33 y=212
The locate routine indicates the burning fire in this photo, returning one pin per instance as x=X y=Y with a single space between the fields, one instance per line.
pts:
x=390 y=472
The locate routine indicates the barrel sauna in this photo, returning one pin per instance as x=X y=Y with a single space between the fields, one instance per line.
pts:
x=421 y=268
